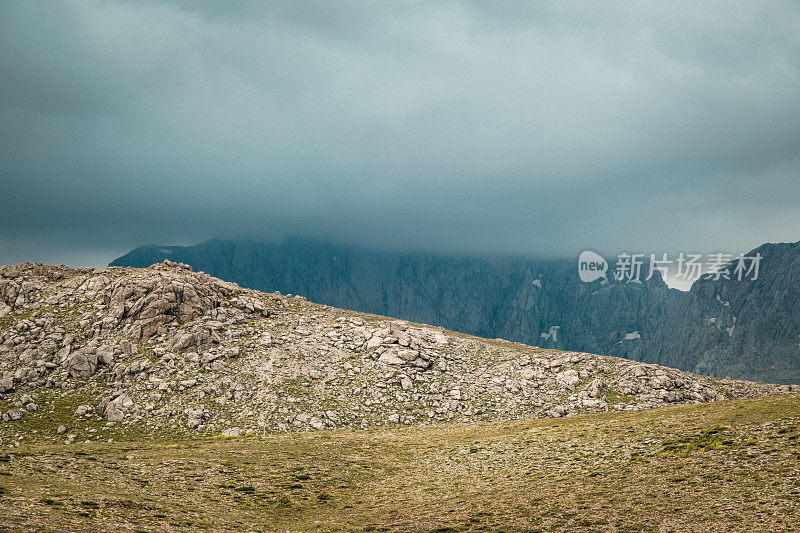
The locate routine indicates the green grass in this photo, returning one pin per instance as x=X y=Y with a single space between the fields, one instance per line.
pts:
x=726 y=466
x=615 y=397
x=710 y=439
x=13 y=317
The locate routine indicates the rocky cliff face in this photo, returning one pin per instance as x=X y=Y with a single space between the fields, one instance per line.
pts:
x=537 y=302
x=90 y=354
x=737 y=328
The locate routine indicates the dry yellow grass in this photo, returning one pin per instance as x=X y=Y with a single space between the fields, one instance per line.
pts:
x=730 y=466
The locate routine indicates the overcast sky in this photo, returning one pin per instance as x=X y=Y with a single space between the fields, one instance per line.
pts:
x=531 y=128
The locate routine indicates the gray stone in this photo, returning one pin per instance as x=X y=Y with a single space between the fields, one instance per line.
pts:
x=595 y=388
x=15 y=414
x=83 y=409
x=568 y=378
x=6 y=385
x=391 y=359
x=556 y=412
x=407 y=355
x=113 y=414
x=82 y=365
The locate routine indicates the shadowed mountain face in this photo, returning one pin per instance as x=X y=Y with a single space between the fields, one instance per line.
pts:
x=538 y=302
x=743 y=328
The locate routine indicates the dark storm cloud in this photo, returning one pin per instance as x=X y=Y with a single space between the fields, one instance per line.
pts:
x=445 y=125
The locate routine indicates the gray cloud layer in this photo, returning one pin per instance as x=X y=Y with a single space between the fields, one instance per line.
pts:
x=441 y=125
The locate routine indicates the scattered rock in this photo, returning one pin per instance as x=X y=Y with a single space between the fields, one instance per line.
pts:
x=556 y=412
x=196 y=417
x=82 y=410
x=165 y=347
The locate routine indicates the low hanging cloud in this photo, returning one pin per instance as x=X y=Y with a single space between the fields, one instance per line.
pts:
x=453 y=126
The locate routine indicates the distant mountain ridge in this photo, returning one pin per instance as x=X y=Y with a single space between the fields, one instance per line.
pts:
x=744 y=328
x=538 y=302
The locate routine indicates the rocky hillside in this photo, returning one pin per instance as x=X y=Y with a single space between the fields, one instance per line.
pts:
x=533 y=301
x=89 y=354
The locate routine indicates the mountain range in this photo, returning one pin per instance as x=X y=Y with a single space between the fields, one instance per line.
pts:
x=748 y=329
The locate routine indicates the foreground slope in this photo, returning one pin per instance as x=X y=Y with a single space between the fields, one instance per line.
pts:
x=90 y=354
x=725 y=466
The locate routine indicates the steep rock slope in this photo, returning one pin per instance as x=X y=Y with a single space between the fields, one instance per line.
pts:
x=167 y=349
x=737 y=328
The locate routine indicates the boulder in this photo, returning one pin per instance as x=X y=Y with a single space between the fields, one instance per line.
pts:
x=14 y=414
x=595 y=388
x=82 y=364
x=83 y=409
x=390 y=359
x=6 y=385
x=105 y=354
x=407 y=355
x=114 y=414
x=568 y=378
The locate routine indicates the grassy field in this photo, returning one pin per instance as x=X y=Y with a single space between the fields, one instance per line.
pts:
x=730 y=466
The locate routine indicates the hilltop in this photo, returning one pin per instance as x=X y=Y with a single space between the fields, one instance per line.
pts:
x=535 y=301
